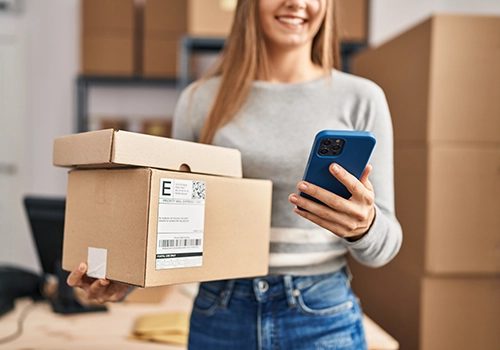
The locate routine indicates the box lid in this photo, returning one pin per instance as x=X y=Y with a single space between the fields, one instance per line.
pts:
x=116 y=148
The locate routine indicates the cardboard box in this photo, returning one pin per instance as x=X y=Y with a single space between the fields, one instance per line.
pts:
x=430 y=313
x=153 y=295
x=160 y=56
x=113 y=15
x=104 y=54
x=212 y=18
x=441 y=78
x=353 y=20
x=118 y=148
x=447 y=184
x=149 y=227
x=108 y=37
x=118 y=218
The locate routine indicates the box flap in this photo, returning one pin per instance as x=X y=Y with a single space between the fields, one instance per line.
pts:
x=83 y=148
x=113 y=148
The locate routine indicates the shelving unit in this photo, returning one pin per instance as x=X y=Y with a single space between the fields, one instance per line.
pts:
x=188 y=46
x=84 y=83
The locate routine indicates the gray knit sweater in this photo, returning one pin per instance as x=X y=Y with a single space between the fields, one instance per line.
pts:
x=274 y=132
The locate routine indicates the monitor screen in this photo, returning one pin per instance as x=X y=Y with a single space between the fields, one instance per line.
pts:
x=46 y=218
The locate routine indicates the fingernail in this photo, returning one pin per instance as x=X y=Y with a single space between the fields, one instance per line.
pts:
x=103 y=282
x=302 y=187
x=335 y=168
x=81 y=267
x=293 y=199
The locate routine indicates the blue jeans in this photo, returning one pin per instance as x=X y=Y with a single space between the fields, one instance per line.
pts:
x=280 y=312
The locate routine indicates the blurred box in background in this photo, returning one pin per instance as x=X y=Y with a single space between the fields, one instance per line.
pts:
x=116 y=123
x=152 y=295
x=165 y=22
x=108 y=37
x=442 y=82
x=157 y=126
x=353 y=20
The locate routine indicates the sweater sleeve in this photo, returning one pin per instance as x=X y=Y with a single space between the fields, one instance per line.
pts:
x=383 y=240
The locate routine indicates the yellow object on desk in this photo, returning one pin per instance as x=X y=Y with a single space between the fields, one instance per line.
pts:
x=170 y=328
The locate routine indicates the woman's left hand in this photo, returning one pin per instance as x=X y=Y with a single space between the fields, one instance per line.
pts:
x=347 y=218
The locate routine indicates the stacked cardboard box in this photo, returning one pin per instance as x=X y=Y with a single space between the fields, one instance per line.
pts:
x=442 y=81
x=108 y=37
x=137 y=219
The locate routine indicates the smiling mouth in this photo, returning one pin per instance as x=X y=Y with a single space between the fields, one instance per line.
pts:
x=291 y=20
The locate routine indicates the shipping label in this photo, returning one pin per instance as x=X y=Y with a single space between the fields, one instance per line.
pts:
x=181 y=222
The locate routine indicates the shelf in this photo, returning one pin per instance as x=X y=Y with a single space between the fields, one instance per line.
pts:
x=84 y=82
x=188 y=46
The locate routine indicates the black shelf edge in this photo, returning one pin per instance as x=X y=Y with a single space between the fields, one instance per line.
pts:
x=121 y=81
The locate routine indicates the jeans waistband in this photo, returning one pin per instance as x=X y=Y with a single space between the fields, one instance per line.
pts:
x=267 y=287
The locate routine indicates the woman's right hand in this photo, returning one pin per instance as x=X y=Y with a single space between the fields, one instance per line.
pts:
x=101 y=290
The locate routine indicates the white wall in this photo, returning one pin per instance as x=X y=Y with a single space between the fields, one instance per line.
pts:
x=388 y=18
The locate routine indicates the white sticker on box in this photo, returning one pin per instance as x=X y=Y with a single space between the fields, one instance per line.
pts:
x=181 y=223
x=96 y=260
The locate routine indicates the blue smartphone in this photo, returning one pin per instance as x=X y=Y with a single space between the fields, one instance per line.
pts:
x=350 y=149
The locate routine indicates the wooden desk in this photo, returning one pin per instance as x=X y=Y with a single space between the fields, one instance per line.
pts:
x=45 y=330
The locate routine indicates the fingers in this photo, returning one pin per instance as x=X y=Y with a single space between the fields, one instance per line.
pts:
x=364 y=178
x=352 y=184
x=97 y=290
x=75 y=278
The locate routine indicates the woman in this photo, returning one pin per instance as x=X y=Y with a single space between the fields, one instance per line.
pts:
x=274 y=88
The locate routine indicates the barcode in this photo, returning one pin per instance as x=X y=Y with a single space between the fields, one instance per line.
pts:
x=166 y=243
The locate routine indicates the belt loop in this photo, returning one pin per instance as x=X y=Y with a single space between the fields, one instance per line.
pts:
x=226 y=294
x=348 y=274
x=290 y=298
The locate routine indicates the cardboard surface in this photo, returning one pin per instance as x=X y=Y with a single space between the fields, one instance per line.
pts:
x=460 y=314
x=165 y=17
x=153 y=295
x=117 y=15
x=430 y=313
x=117 y=210
x=353 y=20
x=161 y=56
x=441 y=79
x=111 y=148
x=104 y=54
x=108 y=37
x=212 y=18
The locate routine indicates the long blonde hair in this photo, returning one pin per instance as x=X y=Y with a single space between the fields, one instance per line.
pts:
x=244 y=59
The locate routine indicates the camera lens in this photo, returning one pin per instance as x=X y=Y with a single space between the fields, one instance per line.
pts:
x=336 y=147
x=323 y=151
x=326 y=142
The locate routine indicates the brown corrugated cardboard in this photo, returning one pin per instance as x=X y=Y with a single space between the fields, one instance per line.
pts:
x=165 y=17
x=117 y=211
x=112 y=148
x=107 y=55
x=430 y=313
x=353 y=20
x=160 y=56
x=447 y=182
x=442 y=79
x=109 y=29
x=148 y=295
x=460 y=314
x=112 y=15
x=212 y=18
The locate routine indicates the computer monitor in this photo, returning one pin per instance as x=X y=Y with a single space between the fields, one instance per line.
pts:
x=46 y=218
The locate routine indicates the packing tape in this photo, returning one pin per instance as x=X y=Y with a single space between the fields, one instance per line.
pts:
x=96 y=261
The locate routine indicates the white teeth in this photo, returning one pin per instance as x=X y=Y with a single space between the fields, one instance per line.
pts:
x=291 y=20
